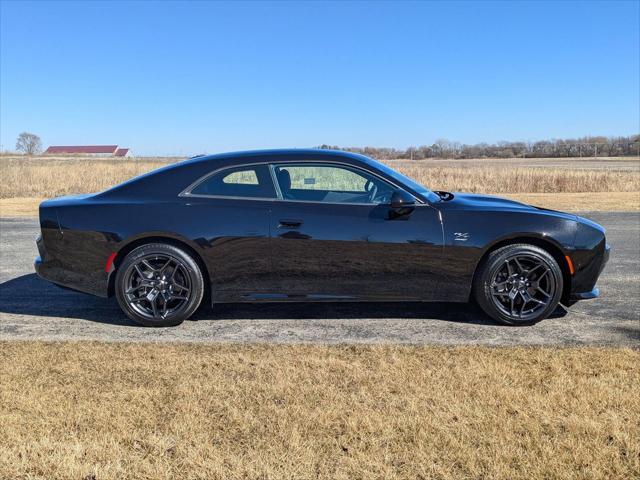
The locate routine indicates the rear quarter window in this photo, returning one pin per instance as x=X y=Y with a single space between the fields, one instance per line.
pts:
x=244 y=182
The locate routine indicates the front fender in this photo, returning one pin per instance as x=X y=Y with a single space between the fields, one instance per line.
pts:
x=470 y=235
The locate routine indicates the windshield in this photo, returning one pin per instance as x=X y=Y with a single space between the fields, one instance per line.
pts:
x=412 y=184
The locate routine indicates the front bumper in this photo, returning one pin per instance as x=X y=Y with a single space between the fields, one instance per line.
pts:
x=594 y=292
x=37 y=265
x=607 y=253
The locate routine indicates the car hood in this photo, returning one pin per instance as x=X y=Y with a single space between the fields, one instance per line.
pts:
x=490 y=202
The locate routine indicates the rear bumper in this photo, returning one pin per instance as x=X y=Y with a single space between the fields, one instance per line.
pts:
x=52 y=272
x=43 y=270
x=68 y=259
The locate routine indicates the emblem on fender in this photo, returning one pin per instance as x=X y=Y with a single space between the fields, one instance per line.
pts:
x=461 y=236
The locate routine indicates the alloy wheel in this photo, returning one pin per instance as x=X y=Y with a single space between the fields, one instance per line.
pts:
x=523 y=286
x=157 y=286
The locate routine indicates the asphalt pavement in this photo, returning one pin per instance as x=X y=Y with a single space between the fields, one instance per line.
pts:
x=31 y=309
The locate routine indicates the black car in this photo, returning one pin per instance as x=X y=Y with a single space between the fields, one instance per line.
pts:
x=312 y=225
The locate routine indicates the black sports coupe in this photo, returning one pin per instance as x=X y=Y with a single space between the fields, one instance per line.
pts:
x=312 y=225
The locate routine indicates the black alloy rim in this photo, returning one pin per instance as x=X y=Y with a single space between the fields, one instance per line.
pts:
x=523 y=286
x=157 y=286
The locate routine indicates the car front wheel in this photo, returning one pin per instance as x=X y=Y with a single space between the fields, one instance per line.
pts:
x=159 y=285
x=518 y=284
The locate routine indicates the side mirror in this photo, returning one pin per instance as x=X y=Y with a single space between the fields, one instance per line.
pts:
x=402 y=204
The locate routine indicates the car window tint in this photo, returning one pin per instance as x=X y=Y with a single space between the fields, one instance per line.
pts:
x=330 y=183
x=247 y=177
x=326 y=178
x=251 y=182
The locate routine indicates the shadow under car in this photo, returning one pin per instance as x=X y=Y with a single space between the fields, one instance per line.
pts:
x=30 y=295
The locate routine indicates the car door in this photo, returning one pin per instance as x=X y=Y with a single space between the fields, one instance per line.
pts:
x=230 y=215
x=333 y=237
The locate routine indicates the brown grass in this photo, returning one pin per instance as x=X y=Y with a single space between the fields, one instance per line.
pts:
x=50 y=177
x=579 y=202
x=19 y=207
x=43 y=177
x=27 y=181
x=524 y=180
x=98 y=410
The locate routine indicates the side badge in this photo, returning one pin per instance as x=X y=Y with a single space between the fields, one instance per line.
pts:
x=461 y=236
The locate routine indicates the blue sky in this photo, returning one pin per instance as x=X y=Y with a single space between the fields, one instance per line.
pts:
x=191 y=77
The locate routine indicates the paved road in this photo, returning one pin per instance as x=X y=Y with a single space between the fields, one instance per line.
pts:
x=33 y=309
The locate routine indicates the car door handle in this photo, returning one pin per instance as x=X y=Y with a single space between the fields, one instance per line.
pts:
x=289 y=223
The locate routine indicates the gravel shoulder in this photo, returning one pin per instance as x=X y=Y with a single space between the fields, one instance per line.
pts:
x=32 y=309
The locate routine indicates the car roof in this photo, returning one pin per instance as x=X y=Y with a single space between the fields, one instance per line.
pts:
x=166 y=181
x=267 y=156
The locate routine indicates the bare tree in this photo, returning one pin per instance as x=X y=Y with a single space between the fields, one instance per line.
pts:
x=28 y=143
x=443 y=148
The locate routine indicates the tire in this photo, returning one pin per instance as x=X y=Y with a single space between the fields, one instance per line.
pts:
x=159 y=285
x=518 y=284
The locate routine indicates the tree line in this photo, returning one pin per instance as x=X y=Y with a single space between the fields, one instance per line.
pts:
x=442 y=148
x=30 y=144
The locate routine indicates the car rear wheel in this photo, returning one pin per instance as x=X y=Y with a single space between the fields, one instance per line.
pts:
x=159 y=285
x=518 y=284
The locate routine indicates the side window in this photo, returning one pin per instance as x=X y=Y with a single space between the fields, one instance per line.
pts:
x=248 y=181
x=246 y=177
x=330 y=183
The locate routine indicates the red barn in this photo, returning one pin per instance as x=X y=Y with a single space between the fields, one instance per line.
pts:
x=94 y=150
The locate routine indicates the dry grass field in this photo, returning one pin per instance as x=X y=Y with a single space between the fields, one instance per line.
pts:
x=26 y=181
x=110 y=411
x=107 y=411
